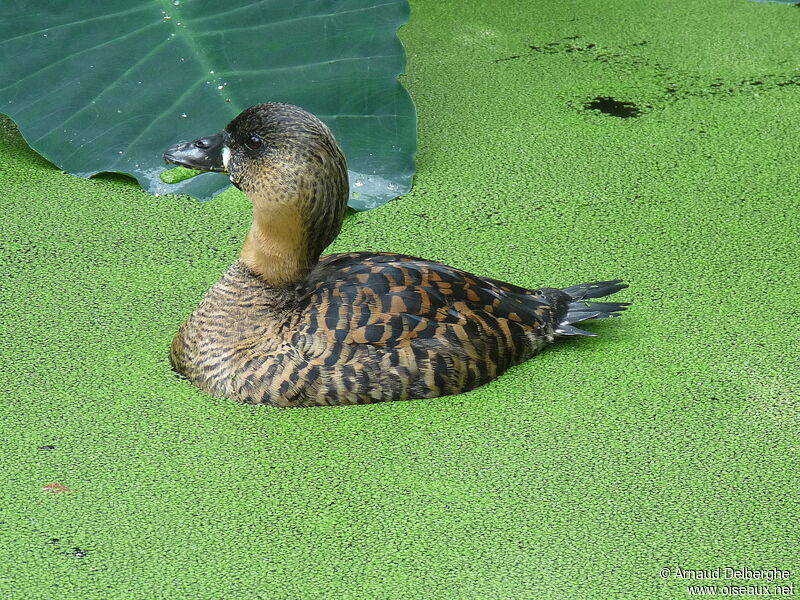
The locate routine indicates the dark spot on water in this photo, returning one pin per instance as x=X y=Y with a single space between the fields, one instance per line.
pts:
x=54 y=540
x=47 y=447
x=613 y=107
x=547 y=48
x=580 y=48
x=78 y=553
x=497 y=60
x=565 y=44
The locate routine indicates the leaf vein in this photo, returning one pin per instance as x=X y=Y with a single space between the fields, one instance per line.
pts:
x=100 y=18
x=107 y=88
x=72 y=56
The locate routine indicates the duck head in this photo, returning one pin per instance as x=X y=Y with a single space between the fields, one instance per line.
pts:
x=294 y=173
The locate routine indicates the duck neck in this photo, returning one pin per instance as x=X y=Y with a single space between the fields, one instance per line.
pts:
x=276 y=247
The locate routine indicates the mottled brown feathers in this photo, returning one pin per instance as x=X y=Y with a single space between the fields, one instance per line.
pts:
x=340 y=339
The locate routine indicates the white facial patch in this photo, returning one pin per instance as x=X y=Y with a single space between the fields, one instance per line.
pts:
x=226 y=156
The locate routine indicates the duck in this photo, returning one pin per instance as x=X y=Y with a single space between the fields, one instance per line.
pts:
x=288 y=327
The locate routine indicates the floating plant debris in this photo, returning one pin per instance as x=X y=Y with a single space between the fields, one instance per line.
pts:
x=55 y=488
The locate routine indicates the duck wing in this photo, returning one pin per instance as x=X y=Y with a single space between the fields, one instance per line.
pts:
x=441 y=329
x=385 y=298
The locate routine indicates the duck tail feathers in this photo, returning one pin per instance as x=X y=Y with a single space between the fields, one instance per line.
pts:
x=581 y=309
x=596 y=289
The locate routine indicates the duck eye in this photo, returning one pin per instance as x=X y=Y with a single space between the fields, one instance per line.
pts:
x=253 y=142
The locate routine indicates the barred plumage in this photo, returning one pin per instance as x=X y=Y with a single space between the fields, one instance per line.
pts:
x=353 y=328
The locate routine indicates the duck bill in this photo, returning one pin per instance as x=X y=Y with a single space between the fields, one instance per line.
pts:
x=204 y=154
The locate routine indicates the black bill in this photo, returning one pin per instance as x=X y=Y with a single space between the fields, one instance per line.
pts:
x=204 y=154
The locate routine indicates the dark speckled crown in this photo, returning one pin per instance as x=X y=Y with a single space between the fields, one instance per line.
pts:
x=275 y=123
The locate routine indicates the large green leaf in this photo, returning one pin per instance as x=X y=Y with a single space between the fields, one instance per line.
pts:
x=107 y=86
